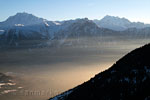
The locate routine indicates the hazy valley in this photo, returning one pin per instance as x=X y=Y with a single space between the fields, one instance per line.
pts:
x=54 y=56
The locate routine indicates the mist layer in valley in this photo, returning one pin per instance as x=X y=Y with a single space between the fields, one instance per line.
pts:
x=45 y=58
x=59 y=68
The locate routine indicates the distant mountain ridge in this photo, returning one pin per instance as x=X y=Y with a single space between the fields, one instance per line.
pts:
x=47 y=29
x=119 y=24
x=24 y=26
x=110 y=22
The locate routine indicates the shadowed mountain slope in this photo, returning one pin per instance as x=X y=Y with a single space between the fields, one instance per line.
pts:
x=127 y=79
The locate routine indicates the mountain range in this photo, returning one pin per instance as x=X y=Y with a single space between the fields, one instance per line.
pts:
x=119 y=24
x=110 y=22
x=127 y=79
x=24 y=26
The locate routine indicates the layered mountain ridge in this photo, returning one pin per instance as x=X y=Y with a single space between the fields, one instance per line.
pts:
x=24 y=26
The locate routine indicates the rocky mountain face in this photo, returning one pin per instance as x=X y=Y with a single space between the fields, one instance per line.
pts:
x=127 y=79
x=81 y=28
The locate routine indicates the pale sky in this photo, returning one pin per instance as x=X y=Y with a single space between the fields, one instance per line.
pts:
x=134 y=10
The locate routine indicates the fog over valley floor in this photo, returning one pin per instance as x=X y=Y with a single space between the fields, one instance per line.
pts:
x=40 y=59
x=60 y=68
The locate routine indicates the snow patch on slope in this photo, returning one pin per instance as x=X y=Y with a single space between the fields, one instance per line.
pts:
x=1 y=32
x=61 y=96
x=19 y=25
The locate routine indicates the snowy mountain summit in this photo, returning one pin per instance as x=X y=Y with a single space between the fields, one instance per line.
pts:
x=119 y=24
x=22 y=19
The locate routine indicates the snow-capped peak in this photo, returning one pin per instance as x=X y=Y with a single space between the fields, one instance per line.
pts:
x=119 y=24
x=115 y=20
x=22 y=19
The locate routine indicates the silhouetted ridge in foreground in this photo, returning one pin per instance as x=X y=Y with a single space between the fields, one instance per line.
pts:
x=128 y=79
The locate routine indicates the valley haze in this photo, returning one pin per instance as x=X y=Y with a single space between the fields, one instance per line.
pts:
x=37 y=54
